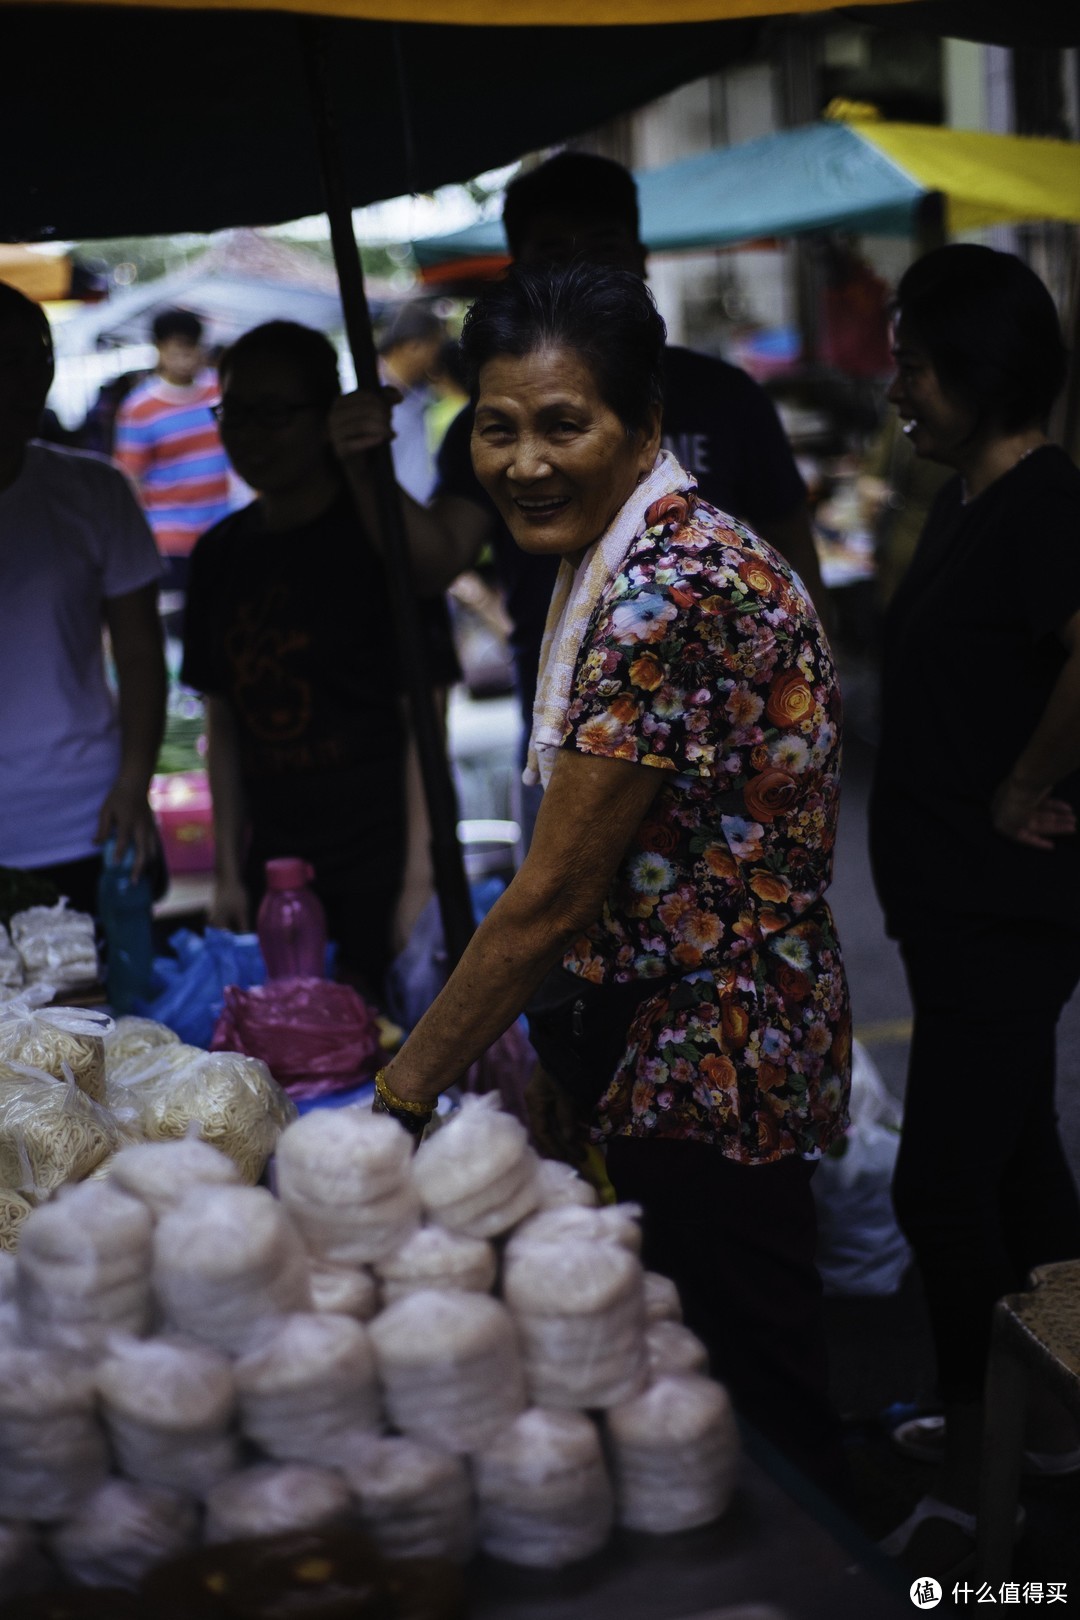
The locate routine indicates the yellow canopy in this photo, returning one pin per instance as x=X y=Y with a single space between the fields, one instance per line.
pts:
x=41 y=276
x=513 y=13
x=986 y=179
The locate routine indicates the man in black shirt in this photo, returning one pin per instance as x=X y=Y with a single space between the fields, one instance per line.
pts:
x=718 y=422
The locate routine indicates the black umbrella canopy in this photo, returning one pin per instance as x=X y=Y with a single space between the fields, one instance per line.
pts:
x=130 y=121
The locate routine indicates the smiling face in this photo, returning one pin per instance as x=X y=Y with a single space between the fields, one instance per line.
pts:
x=274 y=433
x=940 y=426
x=555 y=459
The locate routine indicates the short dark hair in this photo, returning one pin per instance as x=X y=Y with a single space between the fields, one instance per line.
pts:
x=578 y=185
x=606 y=317
x=991 y=330
x=18 y=310
x=177 y=323
x=311 y=352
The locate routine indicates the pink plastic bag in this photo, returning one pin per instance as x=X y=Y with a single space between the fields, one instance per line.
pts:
x=315 y=1036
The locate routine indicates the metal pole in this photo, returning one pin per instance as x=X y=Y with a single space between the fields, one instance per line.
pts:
x=450 y=882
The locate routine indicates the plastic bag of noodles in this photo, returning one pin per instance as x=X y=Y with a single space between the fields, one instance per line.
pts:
x=50 y=1131
x=47 y=1038
x=236 y=1103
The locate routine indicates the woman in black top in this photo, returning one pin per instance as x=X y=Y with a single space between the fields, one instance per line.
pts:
x=973 y=831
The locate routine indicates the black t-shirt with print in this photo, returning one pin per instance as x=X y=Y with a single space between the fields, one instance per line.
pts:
x=718 y=423
x=972 y=652
x=294 y=630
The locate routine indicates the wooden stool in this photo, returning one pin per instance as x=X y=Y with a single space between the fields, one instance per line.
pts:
x=1035 y=1335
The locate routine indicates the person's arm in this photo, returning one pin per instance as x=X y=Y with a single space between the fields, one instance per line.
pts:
x=793 y=537
x=138 y=654
x=229 y=906
x=444 y=538
x=590 y=812
x=1022 y=807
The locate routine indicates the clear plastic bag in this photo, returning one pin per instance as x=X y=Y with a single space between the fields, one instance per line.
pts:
x=82 y=1270
x=313 y=1378
x=544 y=1497
x=121 y=1531
x=674 y=1452
x=56 y=1039
x=345 y=1177
x=57 y=946
x=235 y=1101
x=477 y=1175
x=50 y=1131
x=130 y=1037
x=11 y=965
x=414 y=1501
x=168 y=1407
x=52 y=1449
x=272 y=1497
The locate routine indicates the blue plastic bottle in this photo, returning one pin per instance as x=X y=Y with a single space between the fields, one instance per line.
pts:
x=125 y=912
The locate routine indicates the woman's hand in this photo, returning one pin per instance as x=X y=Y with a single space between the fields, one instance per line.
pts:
x=1029 y=816
x=361 y=420
x=553 y=1120
x=126 y=817
x=229 y=906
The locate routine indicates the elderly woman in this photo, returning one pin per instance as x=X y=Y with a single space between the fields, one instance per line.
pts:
x=973 y=830
x=687 y=733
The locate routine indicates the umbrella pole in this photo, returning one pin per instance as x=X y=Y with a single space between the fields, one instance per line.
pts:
x=451 y=886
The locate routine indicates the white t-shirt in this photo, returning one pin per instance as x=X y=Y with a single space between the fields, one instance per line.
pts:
x=72 y=535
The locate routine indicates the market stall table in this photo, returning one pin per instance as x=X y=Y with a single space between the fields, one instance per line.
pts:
x=769 y=1549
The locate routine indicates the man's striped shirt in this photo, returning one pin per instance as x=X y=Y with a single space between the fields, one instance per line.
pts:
x=167 y=439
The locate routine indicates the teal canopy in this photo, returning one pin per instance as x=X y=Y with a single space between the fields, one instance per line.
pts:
x=811 y=179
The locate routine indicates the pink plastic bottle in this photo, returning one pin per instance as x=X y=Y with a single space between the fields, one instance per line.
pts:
x=291 y=924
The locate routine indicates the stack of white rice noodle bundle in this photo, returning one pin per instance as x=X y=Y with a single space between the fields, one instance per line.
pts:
x=56 y=946
x=248 y=1372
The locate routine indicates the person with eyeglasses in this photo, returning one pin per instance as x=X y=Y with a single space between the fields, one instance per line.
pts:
x=289 y=637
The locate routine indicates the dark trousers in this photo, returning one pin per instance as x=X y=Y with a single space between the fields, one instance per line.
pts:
x=983 y=1191
x=77 y=879
x=739 y=1241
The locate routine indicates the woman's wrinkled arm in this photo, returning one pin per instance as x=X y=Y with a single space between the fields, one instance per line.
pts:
x=1022 y=807
x=589 y=814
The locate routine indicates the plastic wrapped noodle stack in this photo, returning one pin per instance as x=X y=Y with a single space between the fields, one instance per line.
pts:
x=344 y=1291
x=312 y=1379
x=52 y=1450
x=450 y=1367
x=161 y=1174
x=662 y=1302
x=168 y=1406
x=436 y=1258
x=48 y=1038
x=83 y=1268
x=118 y=1534
x=14 y=1209
x=560 y=1184
x=580 y=1311
x=234 y=1102
x=228 y=1264
x=271 y=1497
x=132 y=1037
x=344 y=1176
x=543 y=1493
x=50 y=1131
x=618 y=1223
x=478 y=1175
x=414 y=1501
x=672 y=1348
x=674 y=1451
x=57 y=946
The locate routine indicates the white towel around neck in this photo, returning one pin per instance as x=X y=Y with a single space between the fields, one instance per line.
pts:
x=573 y=602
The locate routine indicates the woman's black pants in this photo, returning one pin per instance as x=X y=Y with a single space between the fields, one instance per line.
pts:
x=982 y=1190
x=739 y=1241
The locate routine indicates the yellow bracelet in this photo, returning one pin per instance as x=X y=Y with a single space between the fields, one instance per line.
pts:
x=392 y=1100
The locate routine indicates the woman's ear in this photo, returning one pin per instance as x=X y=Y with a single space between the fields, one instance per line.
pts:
x=650 y=440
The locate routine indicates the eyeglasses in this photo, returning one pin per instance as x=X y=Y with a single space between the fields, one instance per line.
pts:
x=232 y=413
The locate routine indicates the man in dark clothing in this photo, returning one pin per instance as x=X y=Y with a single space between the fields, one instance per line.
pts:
x=718 y=422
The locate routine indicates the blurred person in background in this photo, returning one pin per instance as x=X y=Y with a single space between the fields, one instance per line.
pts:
x=409 y=349
x=289 y=636
x=76 y=558
x=167 y=440
x=973 y=825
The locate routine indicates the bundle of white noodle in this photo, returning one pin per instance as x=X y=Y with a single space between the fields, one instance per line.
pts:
x=82 y=1271
x=118 y=1534
x=544 y=1498
x=167 y=1405
x=674 y=1451
x=344 y=1176
x=314 y=1378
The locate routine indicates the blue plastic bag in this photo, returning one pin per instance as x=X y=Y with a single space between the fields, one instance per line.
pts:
x=193 y=982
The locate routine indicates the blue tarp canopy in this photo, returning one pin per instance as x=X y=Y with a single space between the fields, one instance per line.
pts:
x=820 y=177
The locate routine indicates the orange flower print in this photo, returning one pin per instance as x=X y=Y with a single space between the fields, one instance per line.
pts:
x=700 y=928
x=719 y=861
x=647 y=672
x=743 y=707
x=734 y=1021
x=600 y=735
x=759 y=576
x=769 y=794
x=668 y=509
x=790 y=700
x=624 y=710
x=718 y=1070
x=770 y=1075
x=673 y=910
x=770 y=886
x=687 y=956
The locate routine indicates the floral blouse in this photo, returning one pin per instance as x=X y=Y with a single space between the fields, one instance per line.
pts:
x=705 y=660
